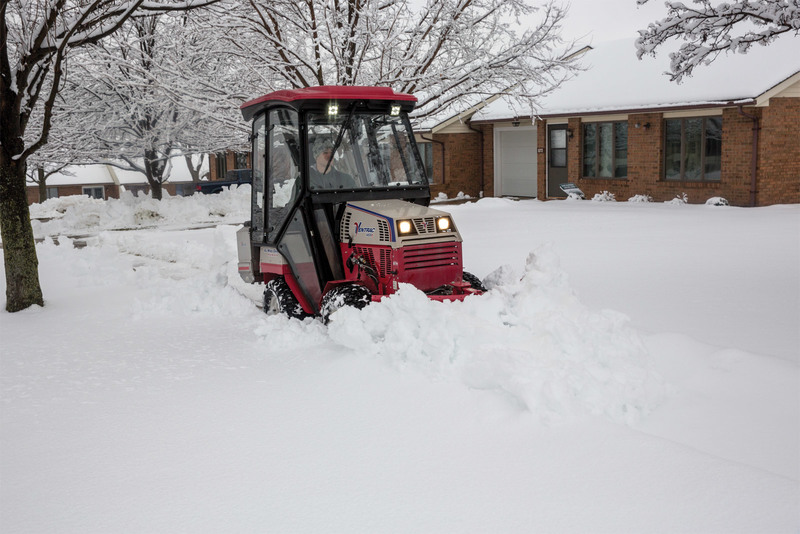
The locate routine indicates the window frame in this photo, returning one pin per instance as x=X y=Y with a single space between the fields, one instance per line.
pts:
x=89 y=190
x=426 y=155
x=703 y=150
x=596 y=126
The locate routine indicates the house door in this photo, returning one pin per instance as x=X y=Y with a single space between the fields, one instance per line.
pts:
x=516 y=162
x=556 y=159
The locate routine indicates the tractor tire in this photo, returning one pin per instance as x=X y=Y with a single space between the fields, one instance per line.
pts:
x=279 y=299
x=473 y=280
x=350 y=294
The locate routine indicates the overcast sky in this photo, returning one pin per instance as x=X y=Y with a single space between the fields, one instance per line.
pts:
x=604 y=20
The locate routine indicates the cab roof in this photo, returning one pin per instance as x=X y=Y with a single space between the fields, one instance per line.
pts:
x=327 y=93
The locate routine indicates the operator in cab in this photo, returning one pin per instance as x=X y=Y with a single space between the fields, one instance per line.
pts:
x=323 y=175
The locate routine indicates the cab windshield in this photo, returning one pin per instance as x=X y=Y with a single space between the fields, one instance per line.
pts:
x=361 y=151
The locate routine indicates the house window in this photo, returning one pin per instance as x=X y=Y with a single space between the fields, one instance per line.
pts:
x=605 y=150
x=94 y=192
x=558 y=147
x=426 y=152
x=240 y=160
x=693 y=149
x=52 y=192
x=220 y=165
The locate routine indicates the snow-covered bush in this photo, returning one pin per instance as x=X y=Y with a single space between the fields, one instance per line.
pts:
x=605 y=196
x=679 y=200
x=640 y=198
x=717 y=201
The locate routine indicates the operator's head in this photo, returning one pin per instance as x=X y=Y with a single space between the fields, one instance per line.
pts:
x=321 y=145
x=322 y=150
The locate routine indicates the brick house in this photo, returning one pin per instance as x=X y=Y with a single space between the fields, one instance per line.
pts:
x=732 y=130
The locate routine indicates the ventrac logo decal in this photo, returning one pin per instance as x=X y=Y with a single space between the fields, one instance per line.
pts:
x=361 y=229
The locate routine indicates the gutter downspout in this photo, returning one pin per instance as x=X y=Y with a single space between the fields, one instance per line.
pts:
x=480 y=133
x=432 y=140
x=754 y=157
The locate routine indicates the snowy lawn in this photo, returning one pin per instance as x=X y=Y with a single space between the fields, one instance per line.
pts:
x=151 y=395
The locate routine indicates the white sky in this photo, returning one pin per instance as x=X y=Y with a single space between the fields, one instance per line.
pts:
x=603 y=20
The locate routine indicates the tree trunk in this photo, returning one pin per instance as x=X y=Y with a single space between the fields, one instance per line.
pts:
x=154 y=173
x=19 y=250
x=42 y=184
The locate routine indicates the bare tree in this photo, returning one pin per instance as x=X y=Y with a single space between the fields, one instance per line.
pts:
x=448 y=53
x=710 y=30
x=129 y=98
x=36 y=38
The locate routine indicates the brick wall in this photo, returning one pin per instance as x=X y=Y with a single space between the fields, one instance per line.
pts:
x=109 y=190
x=458 y=155
x=778 y=159
x=779 y=153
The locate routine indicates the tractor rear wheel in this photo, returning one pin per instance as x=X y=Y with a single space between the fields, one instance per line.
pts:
x=473 y=280
x=350 y=294
x=279 y=299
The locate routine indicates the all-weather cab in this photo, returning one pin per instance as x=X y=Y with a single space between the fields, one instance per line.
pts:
x=339 y=212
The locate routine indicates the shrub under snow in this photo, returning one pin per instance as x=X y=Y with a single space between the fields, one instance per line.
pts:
x=605 y=196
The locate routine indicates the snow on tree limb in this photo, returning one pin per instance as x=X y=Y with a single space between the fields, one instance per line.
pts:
x=709 y=30
x=447 y=52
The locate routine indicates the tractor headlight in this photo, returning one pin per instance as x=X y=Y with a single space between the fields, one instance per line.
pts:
x=443 y=224
x=404 y=227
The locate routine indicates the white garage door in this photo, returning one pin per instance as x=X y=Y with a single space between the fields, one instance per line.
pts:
x=515 y=166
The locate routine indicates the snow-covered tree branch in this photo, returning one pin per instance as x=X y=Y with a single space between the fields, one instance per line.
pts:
x=709 y=30
x=449 y=53
x=36 y=39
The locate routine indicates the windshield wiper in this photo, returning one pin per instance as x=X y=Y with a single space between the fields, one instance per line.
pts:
x=339 y=137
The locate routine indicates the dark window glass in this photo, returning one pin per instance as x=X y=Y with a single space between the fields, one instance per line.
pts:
x=693 y=149
x=240 y=160
x=672 y=149
x=713 y=153
x=426 y=151
x=589 y=149
x=605 y=150
x=693 y=135
x=620 y=149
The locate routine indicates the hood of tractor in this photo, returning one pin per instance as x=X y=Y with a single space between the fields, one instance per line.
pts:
x=395 y=223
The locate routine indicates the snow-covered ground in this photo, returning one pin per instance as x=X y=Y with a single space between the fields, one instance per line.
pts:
x=151 y=395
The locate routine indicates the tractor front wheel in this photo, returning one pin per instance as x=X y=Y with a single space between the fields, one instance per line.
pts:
x=354 y=295
x=279 y=299
x=473 y=280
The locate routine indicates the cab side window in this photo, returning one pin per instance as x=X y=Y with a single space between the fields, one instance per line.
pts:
x=283 y=168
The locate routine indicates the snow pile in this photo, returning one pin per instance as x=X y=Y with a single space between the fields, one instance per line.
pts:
x=81 y=214
x=640 y=198
x=442 y=197
x=717 y=201
x=605 y=196
x=679 y=200
x=529 y=339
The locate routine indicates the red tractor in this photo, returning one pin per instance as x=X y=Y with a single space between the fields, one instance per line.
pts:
x=339 y=213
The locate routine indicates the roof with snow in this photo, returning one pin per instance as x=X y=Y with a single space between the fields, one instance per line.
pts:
x=96 y=174
x=616 y=81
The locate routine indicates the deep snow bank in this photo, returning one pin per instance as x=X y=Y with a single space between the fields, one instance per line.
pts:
x=80 y=214
x=529 y=338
